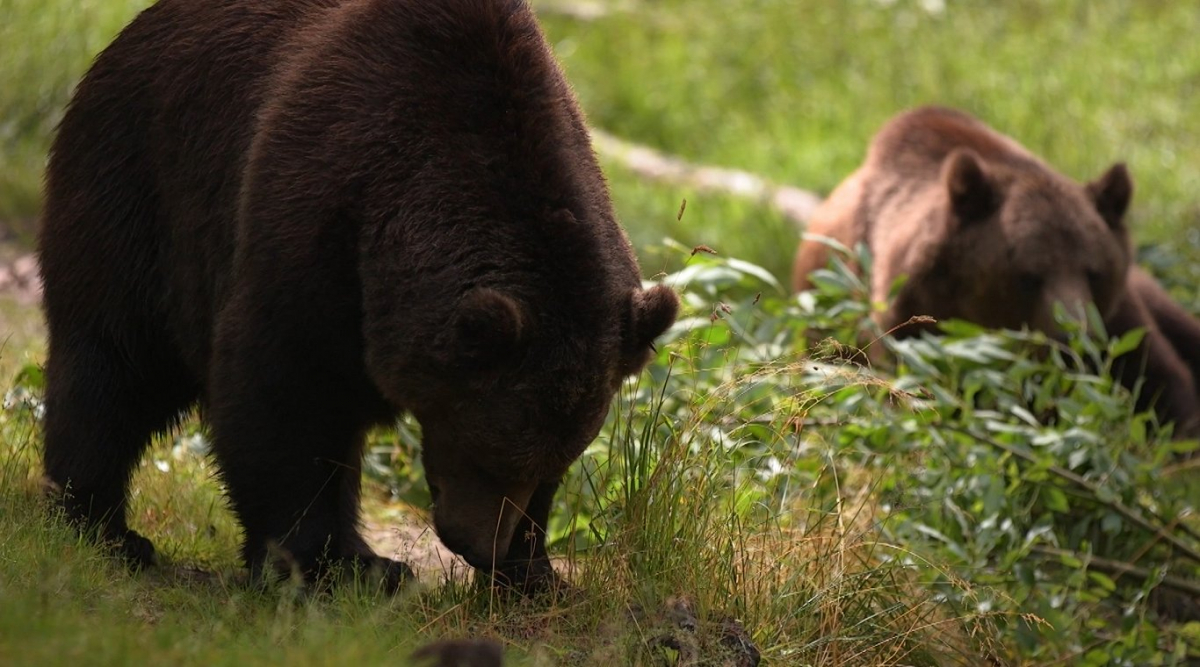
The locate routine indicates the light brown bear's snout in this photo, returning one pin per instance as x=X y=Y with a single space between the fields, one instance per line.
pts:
x=1071 y=295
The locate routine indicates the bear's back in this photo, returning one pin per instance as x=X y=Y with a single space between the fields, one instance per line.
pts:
x=145 y=172
x=905 y=196
x=914 y=144
x=212 y=133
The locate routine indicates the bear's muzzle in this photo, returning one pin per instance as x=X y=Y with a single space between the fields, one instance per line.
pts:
x=476 y=520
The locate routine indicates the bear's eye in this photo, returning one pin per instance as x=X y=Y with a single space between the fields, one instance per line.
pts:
x=1029 y=282
x=1095 y=278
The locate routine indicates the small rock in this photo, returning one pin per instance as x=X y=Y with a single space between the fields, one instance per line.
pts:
x=32 y=292
x=692 y=638
x=743 y=652
x=25 y=268
x=460 y=653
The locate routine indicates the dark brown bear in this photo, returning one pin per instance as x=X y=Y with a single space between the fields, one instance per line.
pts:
x=308 y=216
x=985 y=231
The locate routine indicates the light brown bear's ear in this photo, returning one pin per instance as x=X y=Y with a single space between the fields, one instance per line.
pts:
x=973 y=194
x=488 y=328
x=651 y=312
x=1112 y=193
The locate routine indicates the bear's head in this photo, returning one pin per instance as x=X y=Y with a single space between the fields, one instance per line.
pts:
x=1016 y=238
x=530 y=390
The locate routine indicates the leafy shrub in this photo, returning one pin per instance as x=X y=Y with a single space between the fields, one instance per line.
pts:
x=1006 y=473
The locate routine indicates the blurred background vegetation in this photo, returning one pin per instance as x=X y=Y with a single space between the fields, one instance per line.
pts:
x=790 y=89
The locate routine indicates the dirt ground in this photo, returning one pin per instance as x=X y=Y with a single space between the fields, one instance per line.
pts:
x=399 y=533
x=21 y=326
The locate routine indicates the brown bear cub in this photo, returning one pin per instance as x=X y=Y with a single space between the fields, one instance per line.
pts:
x=987 y=232
x=307 y=216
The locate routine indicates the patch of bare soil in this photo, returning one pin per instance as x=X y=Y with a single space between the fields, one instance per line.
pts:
x=20 y=295
x=19 y=278
x=405 y=534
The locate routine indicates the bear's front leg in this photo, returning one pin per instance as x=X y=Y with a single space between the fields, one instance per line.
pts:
x=1169 y=386
x=104 y=402
x=287 y=433
x=526 y=567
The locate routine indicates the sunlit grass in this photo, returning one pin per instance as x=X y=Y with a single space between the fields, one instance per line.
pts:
x=47 y=47
x=794 y=89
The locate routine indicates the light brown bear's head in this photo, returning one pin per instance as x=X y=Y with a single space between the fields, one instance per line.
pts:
x=1018 y=238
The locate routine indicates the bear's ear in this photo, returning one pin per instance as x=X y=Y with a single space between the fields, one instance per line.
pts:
x=488 y=328
x=973 y=194
x=651 y=312
x=1112 y=193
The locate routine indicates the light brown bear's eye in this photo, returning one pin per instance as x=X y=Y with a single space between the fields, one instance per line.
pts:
x=1029 y=282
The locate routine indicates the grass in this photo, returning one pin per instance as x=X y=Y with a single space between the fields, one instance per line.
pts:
x=843 y=516
x=794 y=90
x=48 y=47
x=673 y=528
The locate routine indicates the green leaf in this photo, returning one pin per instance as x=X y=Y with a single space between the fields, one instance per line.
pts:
x=961 y=328
x=1111 y=523
x=32 y=377
x=1102 y=580
x=828 y=241
x=1024 y=415
x=1070 y=561
x=756 y=271
x=1056 y=500
x=1127 y=342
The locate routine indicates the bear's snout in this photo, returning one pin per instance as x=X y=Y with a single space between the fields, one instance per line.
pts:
x=476 y=520
x=1073 y=296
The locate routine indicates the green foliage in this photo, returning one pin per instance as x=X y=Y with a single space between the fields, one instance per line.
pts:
x=1013 y=478
x=48 y=45
x=998 y=481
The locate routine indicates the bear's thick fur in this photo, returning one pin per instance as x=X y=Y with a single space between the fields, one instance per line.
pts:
x=307 y=216
x=987 y=232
